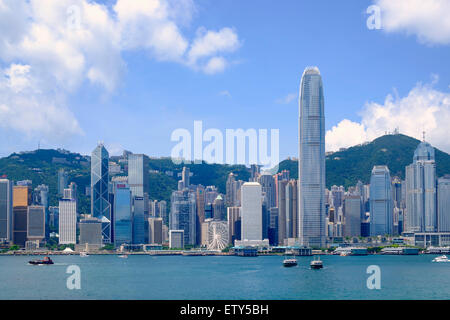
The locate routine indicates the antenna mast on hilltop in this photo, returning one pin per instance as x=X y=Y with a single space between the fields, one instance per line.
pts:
x=423 y=136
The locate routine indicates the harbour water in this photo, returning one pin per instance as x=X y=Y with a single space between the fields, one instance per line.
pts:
x=224 y=277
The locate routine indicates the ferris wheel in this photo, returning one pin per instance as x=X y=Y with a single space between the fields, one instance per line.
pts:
x=217 y=235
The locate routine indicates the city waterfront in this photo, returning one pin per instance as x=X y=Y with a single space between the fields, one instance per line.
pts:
x=225 y=277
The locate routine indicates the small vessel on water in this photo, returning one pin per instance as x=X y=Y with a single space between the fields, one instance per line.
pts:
x=344 y=253
x=123 y=256
x=316 y=263
x=441 y=259
x=292 y=262
x=84 y=254
x=46 y=260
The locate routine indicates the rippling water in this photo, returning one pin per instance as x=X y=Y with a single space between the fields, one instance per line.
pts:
x=224 y=277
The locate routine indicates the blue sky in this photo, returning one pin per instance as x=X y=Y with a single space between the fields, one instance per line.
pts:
x=154 y=95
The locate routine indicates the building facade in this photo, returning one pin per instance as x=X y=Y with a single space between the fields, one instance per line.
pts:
x=311 y=162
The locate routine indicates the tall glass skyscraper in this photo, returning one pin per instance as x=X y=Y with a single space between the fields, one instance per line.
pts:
x=123 y=222
x=100 y=206
x=138 y=166
x=421 y=191
x=311 y=162
x=6 y=203
x=381 y=205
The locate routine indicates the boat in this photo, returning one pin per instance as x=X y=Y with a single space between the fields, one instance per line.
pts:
x=292 y=262
x=124 y=256
x=316 y=264
x=84 y=254
x=441 y=259
x=344 y=253
x=46 y=260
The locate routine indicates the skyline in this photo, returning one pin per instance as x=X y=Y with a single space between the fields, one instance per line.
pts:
x=140 y=111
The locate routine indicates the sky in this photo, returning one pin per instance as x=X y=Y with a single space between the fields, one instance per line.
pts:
x=130 y=72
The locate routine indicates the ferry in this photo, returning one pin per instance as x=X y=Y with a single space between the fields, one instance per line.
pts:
x=441 y=259
x=292 y=262
x=46 y=260
x=316 y=264
x=84 y=254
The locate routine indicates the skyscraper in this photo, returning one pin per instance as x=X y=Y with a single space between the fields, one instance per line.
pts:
x=311 y=162
x=282 y=211
x=444 y=203
x=36 y=223
x=352 y=216
x=381 y=206
x=421 y=191
x=21 y=201
x=291 y=209
x=267 y=183
x=138 y=166
x=63 y=180
x=67 y=221
x=138 y=220
x=251 y=211
x=123 y=219
x=100 y=206
x=183 y=214
x=6 y=203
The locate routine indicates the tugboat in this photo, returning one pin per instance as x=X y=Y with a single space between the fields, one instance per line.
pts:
x=46 y=260
x=316 y=264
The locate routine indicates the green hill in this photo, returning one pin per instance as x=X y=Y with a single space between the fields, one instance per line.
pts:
x=348 y=166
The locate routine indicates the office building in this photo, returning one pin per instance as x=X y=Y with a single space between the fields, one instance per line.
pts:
x=176 y=239
x=123 y=215
x=352 y=216
x=183 y=215
x=381 y=207
x=21 y=201
x=421 y=213
x=267 y=183
x=291 y=210
x=138 y=168
x=100 y=205
x=233 y=215
x=35 y=223
x=67 y=221
x=90 y=232
x=282 y=235
x=444 y=203
x=138 y=220
x=311 y=162
x=251 y=211
x=155 y=230
x=63 y=180
x=6 y=210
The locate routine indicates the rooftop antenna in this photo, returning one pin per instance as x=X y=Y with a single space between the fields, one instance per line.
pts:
x=423 y=136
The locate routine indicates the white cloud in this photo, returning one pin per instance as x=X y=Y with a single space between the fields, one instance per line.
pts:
x=428 y=20
x=423 y=109
x=215 y=65
x=30 y=111
x=53 y=47
x=225 y=93
x=287 y=99
x=209 y=43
